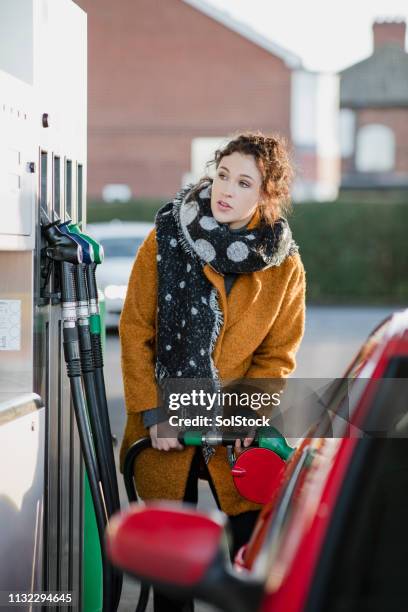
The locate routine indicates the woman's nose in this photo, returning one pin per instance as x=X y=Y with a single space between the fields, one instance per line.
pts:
x=227 y=190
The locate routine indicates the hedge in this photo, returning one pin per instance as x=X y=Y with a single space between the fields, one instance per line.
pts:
x=353 y=252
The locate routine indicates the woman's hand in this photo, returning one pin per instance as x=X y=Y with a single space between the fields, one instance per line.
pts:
x=238 y=446
x=164 y=444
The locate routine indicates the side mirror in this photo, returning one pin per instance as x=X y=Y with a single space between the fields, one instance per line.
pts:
x=181 y=552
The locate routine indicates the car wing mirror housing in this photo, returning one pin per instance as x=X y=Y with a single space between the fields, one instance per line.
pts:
x=183 y=553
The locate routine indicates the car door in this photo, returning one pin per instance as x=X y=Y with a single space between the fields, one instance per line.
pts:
x=363 y=565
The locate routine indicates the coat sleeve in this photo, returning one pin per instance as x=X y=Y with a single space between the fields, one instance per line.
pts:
x=137 y=331
x=275 y=356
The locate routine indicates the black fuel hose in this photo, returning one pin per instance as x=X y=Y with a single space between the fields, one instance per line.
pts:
x=102 y=444
x=73 y=363
x=65 y=249
x=97 y=355
x=128 y=474
x=88 y=374
x=97 y=410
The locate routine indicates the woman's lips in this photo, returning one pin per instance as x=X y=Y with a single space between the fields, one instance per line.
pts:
x=223 y=206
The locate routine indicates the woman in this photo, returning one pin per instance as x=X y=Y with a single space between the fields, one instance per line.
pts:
x=217 y=291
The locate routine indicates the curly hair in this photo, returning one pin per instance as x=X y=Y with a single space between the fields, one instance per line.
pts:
x=272 y=158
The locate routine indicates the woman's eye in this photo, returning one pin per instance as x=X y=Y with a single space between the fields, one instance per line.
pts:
x=221 y=175
x=244 y=184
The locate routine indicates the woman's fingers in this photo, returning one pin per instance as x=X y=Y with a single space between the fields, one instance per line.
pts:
x=250 y=437
x=174 y=444
x=167 y=444
x=238 y=445
x=164 y=444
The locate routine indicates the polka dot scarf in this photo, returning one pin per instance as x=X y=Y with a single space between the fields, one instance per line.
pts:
x=189 y=316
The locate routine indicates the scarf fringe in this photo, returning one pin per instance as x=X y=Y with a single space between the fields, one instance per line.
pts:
x=180 y=198
x=218 y=323
x=161 y=372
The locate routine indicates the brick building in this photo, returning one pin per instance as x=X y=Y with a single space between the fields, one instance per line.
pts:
x=171 y=79
x=374 y=113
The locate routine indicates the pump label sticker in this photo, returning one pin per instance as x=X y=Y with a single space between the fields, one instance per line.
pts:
x=10 y=325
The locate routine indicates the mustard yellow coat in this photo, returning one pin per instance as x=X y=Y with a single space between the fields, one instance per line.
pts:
x=264 y=317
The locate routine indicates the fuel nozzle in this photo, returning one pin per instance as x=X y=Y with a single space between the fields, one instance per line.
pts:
x=60 y=246
x=91 y=275
x=97 y=247
x=88 y=256
x=92 y=287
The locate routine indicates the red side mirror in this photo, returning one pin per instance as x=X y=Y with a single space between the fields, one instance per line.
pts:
x=162 y=544
x=181 y=552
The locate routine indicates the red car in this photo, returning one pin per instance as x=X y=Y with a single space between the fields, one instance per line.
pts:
x=334 y=536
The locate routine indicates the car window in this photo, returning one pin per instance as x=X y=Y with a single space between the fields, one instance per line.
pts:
x=339 y=393
x=121 y=246
x=363 y=563
x=367 y=349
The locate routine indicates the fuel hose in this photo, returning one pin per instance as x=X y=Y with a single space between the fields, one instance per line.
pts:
x=73 y=363
x=63 y=249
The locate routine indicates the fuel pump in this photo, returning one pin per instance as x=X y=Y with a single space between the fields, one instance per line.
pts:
x=52 y=510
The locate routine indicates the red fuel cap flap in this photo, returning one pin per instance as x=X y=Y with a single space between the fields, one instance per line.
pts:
x=257 y=473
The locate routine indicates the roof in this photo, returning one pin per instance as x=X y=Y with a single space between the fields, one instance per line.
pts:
x=291 y=59
x=378 y=81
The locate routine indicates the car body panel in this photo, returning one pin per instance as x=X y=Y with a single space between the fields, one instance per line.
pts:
x=293 y=565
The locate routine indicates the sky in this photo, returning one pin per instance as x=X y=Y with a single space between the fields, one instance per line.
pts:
x=328 y=35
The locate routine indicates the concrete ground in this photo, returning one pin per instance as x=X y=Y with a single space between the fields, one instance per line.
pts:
x=332 y=338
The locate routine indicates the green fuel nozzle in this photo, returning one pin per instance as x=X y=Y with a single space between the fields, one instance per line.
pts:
x=271 y=438
x=267 y=437
x=97 y=247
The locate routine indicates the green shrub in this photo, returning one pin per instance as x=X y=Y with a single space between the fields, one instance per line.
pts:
x=353 y=251
x=134 y=210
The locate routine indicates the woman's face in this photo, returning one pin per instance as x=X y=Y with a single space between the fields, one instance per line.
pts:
x=236 y=190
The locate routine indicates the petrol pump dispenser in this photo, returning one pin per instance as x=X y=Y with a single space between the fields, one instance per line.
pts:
x=43 y=490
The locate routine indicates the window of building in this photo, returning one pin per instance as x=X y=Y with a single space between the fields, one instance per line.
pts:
x=375 y=148
x=202 y=151
x=116 y=192
x=347 y=129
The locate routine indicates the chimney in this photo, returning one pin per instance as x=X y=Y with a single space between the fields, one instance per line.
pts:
x=389 y=32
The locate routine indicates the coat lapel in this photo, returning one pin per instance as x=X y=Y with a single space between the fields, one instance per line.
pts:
x=242 y=297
